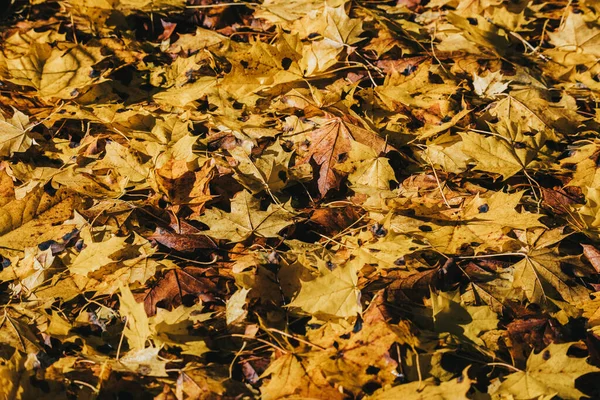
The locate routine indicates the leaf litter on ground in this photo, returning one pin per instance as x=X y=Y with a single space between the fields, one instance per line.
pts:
x=337 y=199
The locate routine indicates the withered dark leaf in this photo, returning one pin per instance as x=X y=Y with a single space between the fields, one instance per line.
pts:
x=175 y=285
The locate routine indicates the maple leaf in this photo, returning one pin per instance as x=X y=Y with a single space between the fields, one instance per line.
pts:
x=54 y=72
x=289 y=377
x=408 y=90
x=12 y=375
x=480 y=220
x=586 y=174
x=386 y=252
x=446 y=151
x=428 y=389
x=329 y=144
x=31 y=271
x=364 y=351
x=36 y=219
x=124 y=161
x=172 y=328
x=530 y=112
x=461 y=320
x=174 y=285
x=268 y=171
x=576 y=41
x=490 y=85
x=137 y=328
x=549 y=372
x=95 y=255
x=183 y=186
x=200 y=39
x=144 y=362
x=505 y=154
x=16 y=374
x=340 y=28
x=185 y=242
x=246 y=219
x=16 y=332
x=483 y=32
x=367 y=171
x=539 y=274
x=15 y=135
x=181 y=96
x=333 y=293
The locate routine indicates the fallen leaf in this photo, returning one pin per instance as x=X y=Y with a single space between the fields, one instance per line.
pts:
x=330 y=144
x=246 y=219
x=550 y=371
x=333 y=293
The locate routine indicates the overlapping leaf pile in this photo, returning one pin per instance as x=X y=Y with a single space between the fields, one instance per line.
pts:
x=300 y=199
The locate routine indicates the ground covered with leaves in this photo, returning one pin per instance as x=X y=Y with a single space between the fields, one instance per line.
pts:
x=300 y=199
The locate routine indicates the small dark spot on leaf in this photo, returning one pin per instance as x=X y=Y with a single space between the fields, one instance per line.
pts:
x=342 y=157
x=460 y=379
x=330 y=265
x=287 y=145
x=4 y=263
x=285 y=63
x=373 y=370
x=68 y=236
x=520 y=145
x=409 y=70
x=483 y=208
x=313 y=35
x=425 y=228
x=447 y=118
x=46 y=245
x=79 y=245
x=400 y=261
x=244 y=63
x=546 y=355
x=472 y=21
x=378 y=230
x=94 y=73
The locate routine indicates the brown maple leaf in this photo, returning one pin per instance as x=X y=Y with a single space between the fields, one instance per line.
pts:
x=593 y=256
x=184 y=187
x=329 y=145
x=182 y=242
x=175 y=285
x=333 y=220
